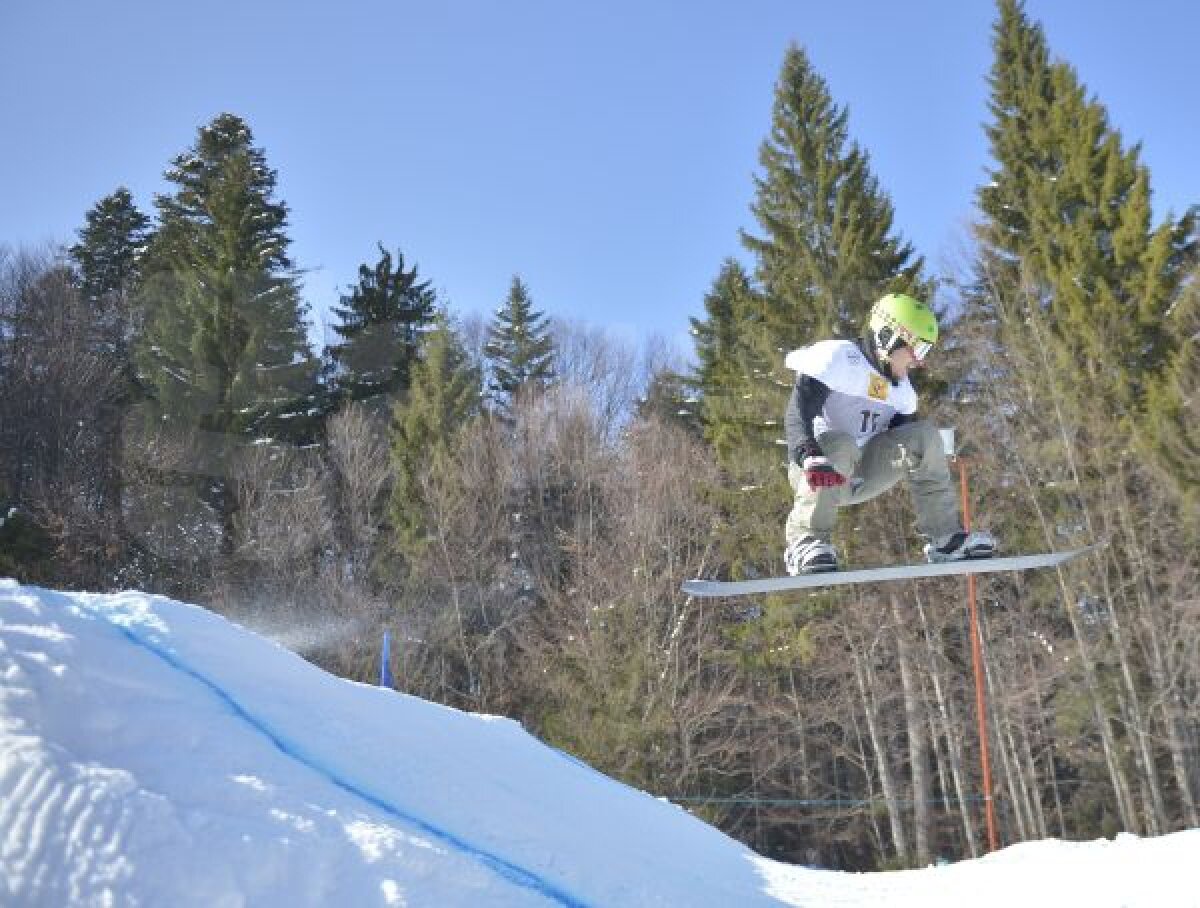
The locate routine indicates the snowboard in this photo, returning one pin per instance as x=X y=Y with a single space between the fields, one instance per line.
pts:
x=712 y=588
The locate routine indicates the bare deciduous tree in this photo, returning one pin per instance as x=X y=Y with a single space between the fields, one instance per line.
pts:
x=58 y=388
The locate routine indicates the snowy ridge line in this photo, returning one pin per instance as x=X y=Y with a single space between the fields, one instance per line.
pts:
x=506 y=869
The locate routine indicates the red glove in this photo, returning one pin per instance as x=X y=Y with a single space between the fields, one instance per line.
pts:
x=820 y=473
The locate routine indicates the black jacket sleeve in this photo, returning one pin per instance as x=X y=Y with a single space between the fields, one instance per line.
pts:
x=901 y=419
x=808 y=398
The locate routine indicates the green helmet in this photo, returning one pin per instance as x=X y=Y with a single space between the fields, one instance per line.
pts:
x=900 y=319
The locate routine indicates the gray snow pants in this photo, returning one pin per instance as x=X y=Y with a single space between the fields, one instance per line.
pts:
x=913 y=451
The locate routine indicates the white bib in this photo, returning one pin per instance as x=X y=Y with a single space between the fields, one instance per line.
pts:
x=861 y=401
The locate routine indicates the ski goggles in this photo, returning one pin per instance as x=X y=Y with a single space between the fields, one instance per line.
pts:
x=920 y=348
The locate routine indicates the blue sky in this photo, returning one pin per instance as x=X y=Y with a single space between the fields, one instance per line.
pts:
x=602 y=150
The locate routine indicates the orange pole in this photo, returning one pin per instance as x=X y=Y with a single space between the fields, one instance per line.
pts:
x=985 y=760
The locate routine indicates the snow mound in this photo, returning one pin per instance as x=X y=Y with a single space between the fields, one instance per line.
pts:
x=152 y=753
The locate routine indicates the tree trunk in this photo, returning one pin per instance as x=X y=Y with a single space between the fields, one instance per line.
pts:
x=865 y=676
x=953 y=732
x=1154 y=810
x=998 y=728
x=1125 y=805
x=1163 y=693
x=1051 y=769
x=1116 y=771
x=805 y=786
x=1032 y=792
x=864 y=762
x=918 y=741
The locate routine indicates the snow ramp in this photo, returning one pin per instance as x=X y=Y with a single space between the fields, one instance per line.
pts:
x=153 y=753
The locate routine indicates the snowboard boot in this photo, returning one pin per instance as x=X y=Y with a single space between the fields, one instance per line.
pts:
x=810 y=555
x=961 y=545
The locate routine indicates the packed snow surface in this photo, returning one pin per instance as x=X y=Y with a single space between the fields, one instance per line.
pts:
x=152 y=753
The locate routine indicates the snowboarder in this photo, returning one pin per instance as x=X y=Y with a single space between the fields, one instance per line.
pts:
x=852 y=433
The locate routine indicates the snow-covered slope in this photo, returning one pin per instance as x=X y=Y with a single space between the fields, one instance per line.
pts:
x=151 y=753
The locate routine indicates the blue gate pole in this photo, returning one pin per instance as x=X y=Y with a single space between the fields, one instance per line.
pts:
x=385 y=677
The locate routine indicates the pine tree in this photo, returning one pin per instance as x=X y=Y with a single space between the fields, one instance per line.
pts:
x=519 y=348
x=225 y=348
x=724 y=342
x=669 y=399
x=1172 y=420
x=444 y=395
x=1082 y=287
x=827 y=250
x=111 y=244
x=383 y=320
x=108 y=256
x=224 y=353
x=1067 y=212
